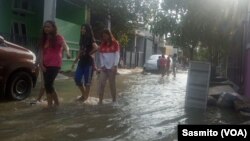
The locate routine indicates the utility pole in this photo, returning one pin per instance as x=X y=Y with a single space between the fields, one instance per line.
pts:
x=109 y=16
x=49 y=10
x=109 y=22
x=248 y=25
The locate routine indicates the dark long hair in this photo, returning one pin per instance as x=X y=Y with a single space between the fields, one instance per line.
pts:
x=88 y=36
x=111 y=37
x=44 y=37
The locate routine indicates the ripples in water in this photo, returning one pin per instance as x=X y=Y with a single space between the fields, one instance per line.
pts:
x=148 y=108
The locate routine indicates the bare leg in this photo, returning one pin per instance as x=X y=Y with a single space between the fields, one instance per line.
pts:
x=102 y=83
x=112 y=85
x=87 y=90
x=174 y=71
x=55 y=98
x=82 y=89
x=162 y=72
x=41 y=92
x=42 y=89
x=49 y=99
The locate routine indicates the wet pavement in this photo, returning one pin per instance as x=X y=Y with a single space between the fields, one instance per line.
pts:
x=148 y=108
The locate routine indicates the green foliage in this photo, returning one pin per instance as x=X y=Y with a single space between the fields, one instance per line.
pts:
x=125 y=15
x=210 y=24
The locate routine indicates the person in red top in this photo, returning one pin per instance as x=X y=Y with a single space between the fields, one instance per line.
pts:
x=163 y=65
x=52 y=46
x=168 y=65
x=109 y=53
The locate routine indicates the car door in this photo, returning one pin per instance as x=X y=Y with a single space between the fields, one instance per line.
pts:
x=2 y=60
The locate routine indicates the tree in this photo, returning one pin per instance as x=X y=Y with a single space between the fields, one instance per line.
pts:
x=205 y=23
x=126 y=16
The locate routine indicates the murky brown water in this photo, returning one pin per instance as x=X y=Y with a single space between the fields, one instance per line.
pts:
x=148 y=108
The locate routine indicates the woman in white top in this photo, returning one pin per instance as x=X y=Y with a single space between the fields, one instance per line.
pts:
x=109 y=52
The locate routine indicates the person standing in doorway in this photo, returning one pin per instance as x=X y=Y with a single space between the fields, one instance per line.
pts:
x=52 y=46
x=109 y=52
x=86 y=63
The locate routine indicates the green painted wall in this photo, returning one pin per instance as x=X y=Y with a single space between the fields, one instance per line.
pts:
x=70 y=12
x=69 y=18
x=33 y=19
x=71 y=33
x=5 y=16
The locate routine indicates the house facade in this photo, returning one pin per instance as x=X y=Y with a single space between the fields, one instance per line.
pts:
x=22 y=21
x=238 y=68
x=139 y=49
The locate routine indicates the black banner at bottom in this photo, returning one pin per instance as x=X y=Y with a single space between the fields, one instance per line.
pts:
x=214 y=132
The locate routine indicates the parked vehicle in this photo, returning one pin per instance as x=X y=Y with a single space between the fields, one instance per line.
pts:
x=18 y=70
x=151 y=63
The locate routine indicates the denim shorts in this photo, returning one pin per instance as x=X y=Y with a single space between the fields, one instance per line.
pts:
x=83 y=75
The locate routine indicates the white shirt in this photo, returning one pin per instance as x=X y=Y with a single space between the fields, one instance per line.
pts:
x=109 y=55
x=108 y=60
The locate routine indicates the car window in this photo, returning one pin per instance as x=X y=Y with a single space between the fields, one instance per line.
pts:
x=154 y=57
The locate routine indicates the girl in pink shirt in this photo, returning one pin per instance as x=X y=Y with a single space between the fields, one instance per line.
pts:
x=52 y=46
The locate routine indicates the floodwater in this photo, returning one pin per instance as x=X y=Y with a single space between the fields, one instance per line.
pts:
x=148 y=108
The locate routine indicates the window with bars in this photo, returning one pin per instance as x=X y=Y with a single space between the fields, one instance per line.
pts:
x=21 y=7
x=21 y=4
x=18 y=33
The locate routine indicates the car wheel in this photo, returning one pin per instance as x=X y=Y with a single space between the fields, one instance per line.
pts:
x=19 y=86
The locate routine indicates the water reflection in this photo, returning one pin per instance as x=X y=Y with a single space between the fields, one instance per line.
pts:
x=148 y=108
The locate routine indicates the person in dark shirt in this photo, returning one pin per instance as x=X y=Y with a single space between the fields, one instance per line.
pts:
x=85 y=59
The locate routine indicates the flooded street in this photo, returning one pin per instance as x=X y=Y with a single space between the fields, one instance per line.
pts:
x=148 y=108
